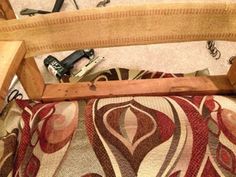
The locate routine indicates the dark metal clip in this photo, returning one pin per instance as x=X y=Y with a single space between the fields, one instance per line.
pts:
x=32 y=12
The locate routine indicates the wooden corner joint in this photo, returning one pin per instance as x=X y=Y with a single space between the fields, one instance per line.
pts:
x=31 y=78
x=12 y=53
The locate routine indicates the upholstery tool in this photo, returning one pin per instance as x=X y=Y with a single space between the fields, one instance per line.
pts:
x=76 y=5
x=57 y=6
x=62 y=68
x=31 y=12
x=79 y=75
x=15 y=94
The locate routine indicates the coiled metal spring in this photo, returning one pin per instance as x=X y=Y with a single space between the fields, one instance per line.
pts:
x=213 y=50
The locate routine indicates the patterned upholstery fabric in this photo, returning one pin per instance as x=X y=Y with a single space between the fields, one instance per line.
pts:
x=163 y=136
x=126 y=136
x=35 y=137
x=131 y=74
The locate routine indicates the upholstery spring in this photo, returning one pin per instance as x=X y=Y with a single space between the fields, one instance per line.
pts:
x=213 y=50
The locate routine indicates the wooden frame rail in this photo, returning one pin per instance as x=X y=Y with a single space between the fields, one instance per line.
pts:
x=108 y=27
x=159 y=87
x=6 y=10
x=28 y=69
x=11 y=55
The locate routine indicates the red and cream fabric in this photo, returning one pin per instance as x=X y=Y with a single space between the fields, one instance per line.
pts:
x=128 y=136
x=172 y=136
x=35 y=137
x=132 y=74
x=164 y=136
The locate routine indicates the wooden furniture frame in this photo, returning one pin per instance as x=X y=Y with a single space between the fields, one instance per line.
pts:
x=106 y=27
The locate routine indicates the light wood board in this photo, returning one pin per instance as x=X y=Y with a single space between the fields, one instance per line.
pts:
x=6 y=10
x=11 y=55
x=119 y=26
x=158 y=87
x=31 y=78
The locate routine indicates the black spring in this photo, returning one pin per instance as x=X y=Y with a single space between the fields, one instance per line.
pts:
x=214 y=52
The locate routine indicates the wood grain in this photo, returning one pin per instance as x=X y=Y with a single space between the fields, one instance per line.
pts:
x=28 y=72
x=6 y=10
x=31 y=78
x=119 y=26
x=167 y=86
x=232 y=74
x=11 y=55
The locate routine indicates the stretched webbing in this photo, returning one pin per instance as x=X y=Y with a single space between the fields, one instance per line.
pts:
x=119 y=26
